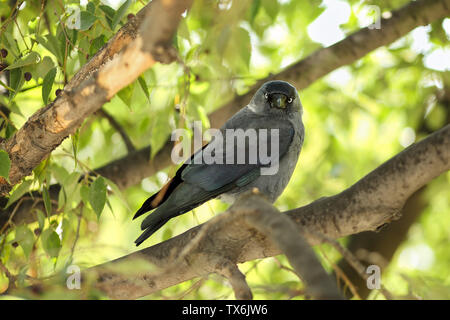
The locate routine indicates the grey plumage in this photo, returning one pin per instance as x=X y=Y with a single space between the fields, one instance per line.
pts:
x=276 y=105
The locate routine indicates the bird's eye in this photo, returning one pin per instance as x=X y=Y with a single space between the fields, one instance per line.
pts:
x=266 y=95
x=290 y=100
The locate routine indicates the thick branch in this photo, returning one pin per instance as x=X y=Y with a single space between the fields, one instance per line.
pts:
x=373 y=201
x=48 y=127
x=285 y=235
x=302 y=74
x=237 y=280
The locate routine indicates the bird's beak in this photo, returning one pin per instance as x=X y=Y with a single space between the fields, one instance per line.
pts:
x=279 y=100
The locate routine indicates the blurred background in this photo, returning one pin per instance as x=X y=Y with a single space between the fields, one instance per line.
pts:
x=356 y=118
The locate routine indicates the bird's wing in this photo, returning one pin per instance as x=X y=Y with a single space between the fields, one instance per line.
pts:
x=214 y=176
x=210 y=180
x=195 y=183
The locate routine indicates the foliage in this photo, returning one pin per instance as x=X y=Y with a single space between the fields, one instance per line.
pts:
x=356 y=117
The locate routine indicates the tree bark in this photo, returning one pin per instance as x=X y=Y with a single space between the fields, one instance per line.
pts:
x=373 y=201
x=48 y=127
x=302 y=74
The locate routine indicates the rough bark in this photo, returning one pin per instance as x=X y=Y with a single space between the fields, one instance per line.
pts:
x=373 y=201
x=302 y=74
x=48 y=127
x=379 y=247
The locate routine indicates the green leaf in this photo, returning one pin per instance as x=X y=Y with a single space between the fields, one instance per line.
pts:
x=120 y=13
x=109 y=14
x=41 y=219
x=5 y=164
x=16 y=81
x=47 y=202
x=126 y=94
x=117 y=192
x=87 y=20
x=254 y=9
x=19 y=191
x=61 y=198
x=84 y=192
x=51 y=242
x=44 y=67
x=97 y=195
x=90 y=7
x=97 y=44
x=25 y=238
x=13 y=47
x=75 y=138
x=144 y=87
x=31 y=58
x=59 y=173
x=272 y=7
x=50 y=42
x=47 y=85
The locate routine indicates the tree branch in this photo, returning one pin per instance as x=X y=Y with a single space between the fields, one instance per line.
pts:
x=237 y=280
x=285 y=235
x=48 y=127
x=116 y=125
x=302 y=74
x=374 y=200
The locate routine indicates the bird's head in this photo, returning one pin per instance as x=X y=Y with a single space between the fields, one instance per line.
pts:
x=276 y=97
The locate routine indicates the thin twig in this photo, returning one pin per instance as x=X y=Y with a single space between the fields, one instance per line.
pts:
x=119 y=129
x=353 y=261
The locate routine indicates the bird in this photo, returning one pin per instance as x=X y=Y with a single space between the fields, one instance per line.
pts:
x=275 y=105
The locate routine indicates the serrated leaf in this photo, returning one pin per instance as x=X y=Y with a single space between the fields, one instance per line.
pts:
x=120 y=13
x=5 y=164
x=47 y=85
x=87 y=19
x=25 y=238
x=19 y=192
x=97 y=195
x=51 y=242
x=29 y=59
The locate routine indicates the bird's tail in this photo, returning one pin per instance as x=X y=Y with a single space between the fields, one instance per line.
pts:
x=149 y=231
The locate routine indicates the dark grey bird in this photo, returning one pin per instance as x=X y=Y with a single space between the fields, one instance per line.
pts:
x=276 y=105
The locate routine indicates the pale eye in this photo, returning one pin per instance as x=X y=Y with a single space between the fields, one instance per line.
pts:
x=290 y=100
x=266 y=95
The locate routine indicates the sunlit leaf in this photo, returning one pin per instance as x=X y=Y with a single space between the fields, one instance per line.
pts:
x=5 y=164
x=97 y=195
x=25 y=238
x=47 y=85
x=19 y=191
x=51 y=242
x=31 y=58
x=87 y=20
x=120 y=13
x=47 y=201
